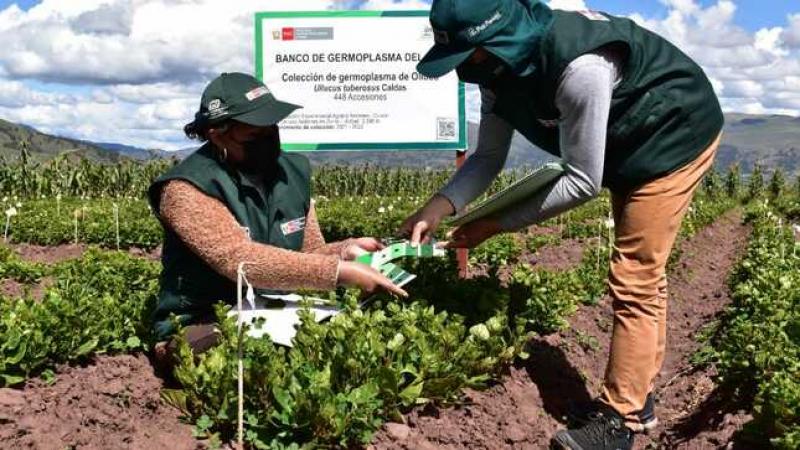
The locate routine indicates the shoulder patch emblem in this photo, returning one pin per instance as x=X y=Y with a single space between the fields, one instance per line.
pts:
x=293 y=226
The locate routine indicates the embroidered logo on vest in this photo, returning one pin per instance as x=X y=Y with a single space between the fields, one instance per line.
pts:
x=293 y=226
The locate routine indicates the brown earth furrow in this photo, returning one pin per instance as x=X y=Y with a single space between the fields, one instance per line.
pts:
x=528 y=405
x=113 y=403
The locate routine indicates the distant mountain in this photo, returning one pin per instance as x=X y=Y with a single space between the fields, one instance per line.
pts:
x=769 y=140
x=142 y=153
x=522 y=153
x=43 y=146
x=129 y=151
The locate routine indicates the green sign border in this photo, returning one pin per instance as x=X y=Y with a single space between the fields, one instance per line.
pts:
x=422 y=146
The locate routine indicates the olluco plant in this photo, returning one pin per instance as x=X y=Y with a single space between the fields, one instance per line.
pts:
x=758 y=343
x=99 y=303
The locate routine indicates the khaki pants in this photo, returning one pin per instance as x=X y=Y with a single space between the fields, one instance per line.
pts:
x=647 y=221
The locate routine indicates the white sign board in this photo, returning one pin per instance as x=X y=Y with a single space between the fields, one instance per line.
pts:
x=354 y=73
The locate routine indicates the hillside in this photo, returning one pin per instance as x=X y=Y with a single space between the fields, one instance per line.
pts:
x=43 y=146
x=772 y=141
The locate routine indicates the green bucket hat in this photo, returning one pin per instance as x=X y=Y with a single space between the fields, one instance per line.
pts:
x=510 y=29
x=243 y=98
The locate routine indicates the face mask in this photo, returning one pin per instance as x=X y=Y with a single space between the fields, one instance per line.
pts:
x=487 y=74
x=261 y=154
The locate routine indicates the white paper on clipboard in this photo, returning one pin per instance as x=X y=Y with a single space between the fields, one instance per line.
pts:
x=521 y=190
x=281 y=322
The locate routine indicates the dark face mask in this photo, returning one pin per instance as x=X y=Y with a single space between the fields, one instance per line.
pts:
x=261 y=154
x=488 y=73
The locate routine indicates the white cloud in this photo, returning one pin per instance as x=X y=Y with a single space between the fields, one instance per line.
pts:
x=682 y=6
x=145 y=62
x=149 y=59
x=392 y=4
x=748 y=70
x=132 y=41
x=115 y=18
x=568 y=5
x=791 y=35
x=769 y=40
x=743 y=89
x=16 y=94
x=146 y=93
x=156 y=125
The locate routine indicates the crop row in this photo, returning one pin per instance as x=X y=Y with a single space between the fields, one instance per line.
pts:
x=341 y=380
x=757 y=348
x=98 y=303
x=66 y=176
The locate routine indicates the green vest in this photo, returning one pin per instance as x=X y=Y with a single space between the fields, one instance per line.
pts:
x=189 y=287
x=664 y=113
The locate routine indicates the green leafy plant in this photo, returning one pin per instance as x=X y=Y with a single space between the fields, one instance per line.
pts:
x=758 y=345
x=99 y=303
x=497 y=251
x=342 y=379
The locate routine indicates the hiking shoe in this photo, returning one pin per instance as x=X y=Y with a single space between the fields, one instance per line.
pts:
x=578 y=413
x=604 y=430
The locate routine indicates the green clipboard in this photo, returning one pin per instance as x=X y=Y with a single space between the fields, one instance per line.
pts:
x=517 y=192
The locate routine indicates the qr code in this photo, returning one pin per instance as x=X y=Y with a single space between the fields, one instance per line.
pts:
x=445 y=128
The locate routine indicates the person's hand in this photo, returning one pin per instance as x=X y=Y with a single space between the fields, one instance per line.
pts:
x=421 y=225
x=360 y=246
x=472 y=234
x=367 y=279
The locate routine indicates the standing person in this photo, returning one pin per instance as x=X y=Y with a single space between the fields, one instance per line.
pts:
x=239 y=198
x=624 y=109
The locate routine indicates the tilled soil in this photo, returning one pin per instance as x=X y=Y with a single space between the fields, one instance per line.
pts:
x=53 y=255
x=568 y=253
x=57 y=253
x=114 y=403
x=528 y=405
x=49 y=255
x=14 y=289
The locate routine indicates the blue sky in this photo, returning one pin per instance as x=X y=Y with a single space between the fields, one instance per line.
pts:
x=751 y=14
x=122 y=71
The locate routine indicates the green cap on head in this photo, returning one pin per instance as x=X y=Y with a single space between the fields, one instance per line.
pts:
x=243 y=98
x=510 y=29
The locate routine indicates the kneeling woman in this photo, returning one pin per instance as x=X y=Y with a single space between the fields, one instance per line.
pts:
x=239 y=198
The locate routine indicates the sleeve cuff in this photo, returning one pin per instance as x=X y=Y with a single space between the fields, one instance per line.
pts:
x=458 y=202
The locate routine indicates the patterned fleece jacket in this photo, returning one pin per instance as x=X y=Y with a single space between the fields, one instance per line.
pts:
x=208 y=228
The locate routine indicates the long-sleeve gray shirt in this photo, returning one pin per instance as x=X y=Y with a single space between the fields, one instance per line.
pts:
x=584 y=100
